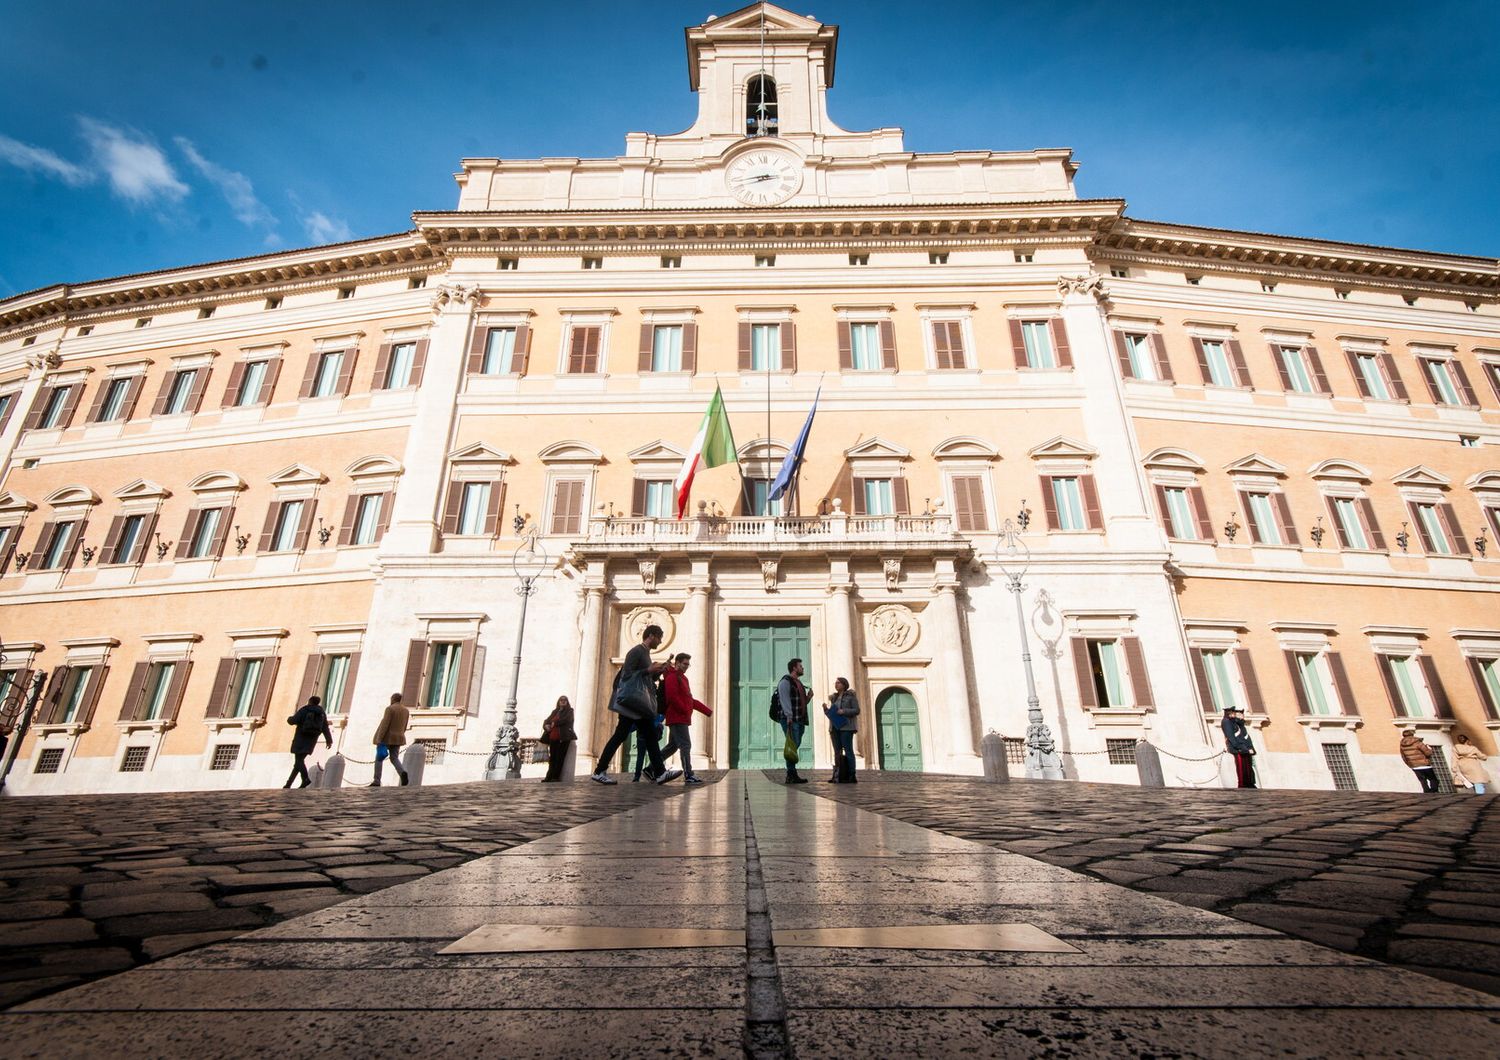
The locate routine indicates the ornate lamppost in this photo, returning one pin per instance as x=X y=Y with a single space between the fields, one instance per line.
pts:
x=529 y=562
x=1014 y=559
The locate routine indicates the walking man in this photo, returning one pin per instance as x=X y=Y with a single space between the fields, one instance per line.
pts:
x=308 y=724
x=637 y=661
x=1237 y=743
x=791 y=697
x=390 y=737
x=679 y=713
x=1418 y=756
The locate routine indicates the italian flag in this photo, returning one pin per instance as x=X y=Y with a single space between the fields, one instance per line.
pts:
x=713 y=445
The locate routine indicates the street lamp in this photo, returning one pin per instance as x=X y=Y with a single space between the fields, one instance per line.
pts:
x=529 y=562
x=1014 y=559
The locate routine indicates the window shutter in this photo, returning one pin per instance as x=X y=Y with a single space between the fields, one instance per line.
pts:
x=1435 y=686
x=1359 y=377
x=37 y=410
x=788 y=346
x=20 y=691
x=387 y=502
x=1341 y=683
x=1304 y=705
x=478 y=342
x=471 y=684
x=1338 y=524
x=1018 y=344
x=268 y=387
x=310 y=679
x=1091 y=502
x=177 y=689
x=70 y=406
x=1083 y=669
x=94 y=406
x=342 y=706
x=453 y=508
x=264 y=687
x=135 y=693
x=1278 y=354
x=200 y=386
x=419 y=361
x=1284 y=518
x=1383 y=664
x=968 y=503
x=382 y=367
x=308 y=510
x=846 y=344
x=1476 y=671
x=946 y=336
x=83 y=528
x=690 y=346
x=346 y=525
x=132 y=395
x=1200 y=679
x=270 y=528
x=1455 y=532
x=648 y=336
x=1161 y=503
x=346 y=371
x=747 y=496
x=1140 y=681
x=91 y=696
x=1422 y=535
x=111 y=540
x=1208 y=376
x=55 y=685
x=1122 y=354
x=1465 y=391
x=236 y=380
x=143 y=543
x=1241 y=369
x=1393 y=377
x=43 y=541
x=1200 y=510
x=189 y=530
x=310 y=375
x=638 y=498
x=521 y=353
x=860 y=507
x=411 y=680
x=1049 y=501
x=567 y=505
x=163 y=394
x=1163 y=365
x=1257 y=534
x=222 y=537
x=578 y=351
x=462 y=693
x=219 y=695
x=901 y=495
x=1059 y=328
x=1257 y=703
x=1372 y=528
x=888 y=345
x=746 y=360
x=1425 y=371
x=496 y=506
x=1315 y=363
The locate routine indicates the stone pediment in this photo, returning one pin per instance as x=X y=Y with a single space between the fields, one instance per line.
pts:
x=1421 y=475
x=14 y=502
x=297 y=475
x=1485 y=480
x=965 y=446
x=479 y=453
x=1256 y=464
x=1339 y=469
x=373 y=466
x=216 y=480
x=142 y=489
x=657 y=451
x=877 y=448
x=1065 y=448
x=748 y=19
x=72 y=495
x=570 y=452
x=1176 y=459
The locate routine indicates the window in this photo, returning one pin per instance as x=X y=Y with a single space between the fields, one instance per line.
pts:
x=1119 y=273
x=1320 y=683
x=1270 y=517
x=203 y=541
x=508 y=264
x=432 y=750
x=671 y=261
x=1468 y=441
x=765 y=261
x=1376 y=376
x=1105 y=657
x=325 y=381
x=442 y=674
x=593 y=263
x=1120 y=752
x=1015 y=751
x=1180 y=519
x=760 y=106
x=59 y=550
x=948 y=345
x=399 y=370
x=243 y=687
x=878 y=496
x=346 y=292
x=1267 y=287
x=272 y=303
x=758 y=499
x=112 y=402
x=666 y=348
x=143 y=322
x=1025 y=256
x=87 y=329
x=178 y=394
x=1217 y=370
x=499 y=350
x=1492 y=370
x=49 y=761
x=937 y=257
x=583 y=349
x=1140 y=359
x=55 y=413
x=7 y=405
x=1409 y=299
x=416 y=283
x=472 y=507
x=1037 y=339
x=156 y=700
x=1447 y=382
x=865 y=354
x=658 y=498
x=765 y=347
x=206 y=312
x=367 y=511
x=1336 y=757
x=970 y=512
x=1410 y=697
x=567 y=506
x=1296 y=374
x=859 y=259
x=1111 y=673
x=1486 y=674
x=1438 y=529
x=1193 y=281
x=288 y=522
x=134 y=759
x=1348 y=523
x=1066 y=509
x=131 y=540
x=252 y=382
x=226 y=756
x=74 y=695
x=333 y=682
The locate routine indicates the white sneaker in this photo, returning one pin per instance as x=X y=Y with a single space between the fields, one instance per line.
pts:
x=602 y=778
x=668 y=776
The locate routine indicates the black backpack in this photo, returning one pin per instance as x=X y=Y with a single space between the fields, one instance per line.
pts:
x=776 y=702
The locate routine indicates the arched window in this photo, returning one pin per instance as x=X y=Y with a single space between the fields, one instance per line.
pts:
x=760 y=106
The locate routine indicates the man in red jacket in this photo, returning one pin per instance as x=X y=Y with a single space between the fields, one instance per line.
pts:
x=679 y=715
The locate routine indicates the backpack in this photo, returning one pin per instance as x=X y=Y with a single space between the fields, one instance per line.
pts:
x=776 y=702
x=311 y=723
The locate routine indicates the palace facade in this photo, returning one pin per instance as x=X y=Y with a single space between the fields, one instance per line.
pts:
x=1247 y=469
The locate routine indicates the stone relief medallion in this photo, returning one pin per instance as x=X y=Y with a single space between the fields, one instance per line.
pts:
x=637 y=621
x=893 y=628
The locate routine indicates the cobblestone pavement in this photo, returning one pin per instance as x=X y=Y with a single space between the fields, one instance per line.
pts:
x=1411 y=880
x=95 y=884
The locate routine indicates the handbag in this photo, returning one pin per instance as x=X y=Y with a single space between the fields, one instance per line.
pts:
x=636 y=698
x=789 y=750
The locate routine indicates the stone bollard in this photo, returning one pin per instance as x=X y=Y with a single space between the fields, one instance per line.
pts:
x=315 y=775
x=414 y=760
x=1148 y=765
x=992 y=751
x=333 y=773
x=570 y=762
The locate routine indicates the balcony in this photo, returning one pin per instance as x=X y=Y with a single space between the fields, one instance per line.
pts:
x=837 y=532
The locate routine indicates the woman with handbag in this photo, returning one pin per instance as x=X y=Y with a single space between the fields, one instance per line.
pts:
x=557 y=734
x=634 y=700
x=844 y=708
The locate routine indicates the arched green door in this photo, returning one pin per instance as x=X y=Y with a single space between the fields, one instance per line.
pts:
x=900 y=734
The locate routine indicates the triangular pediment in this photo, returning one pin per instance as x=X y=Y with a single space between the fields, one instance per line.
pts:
x=1256 y=464
x=1339 y=469
x=142 y=489
x=877 y=448
x=14 y=502
x=297 y=475
x=571 y=451
x=965 y=446
x=1176 y=459
x=658 y=450
x=1065 y=447
x=1421 y=475
x=479 y=453
x=748 y=18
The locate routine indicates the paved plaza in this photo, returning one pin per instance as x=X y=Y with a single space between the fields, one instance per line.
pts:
x=749 y=918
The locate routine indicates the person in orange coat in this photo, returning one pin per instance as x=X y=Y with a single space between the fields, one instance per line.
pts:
x=679 y=714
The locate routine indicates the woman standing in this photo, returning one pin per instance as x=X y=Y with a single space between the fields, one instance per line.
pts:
x=844 y=706
x=1471 y=764
x=557 y=734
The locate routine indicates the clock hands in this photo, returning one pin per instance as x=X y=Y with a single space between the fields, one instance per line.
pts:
x=758 y=178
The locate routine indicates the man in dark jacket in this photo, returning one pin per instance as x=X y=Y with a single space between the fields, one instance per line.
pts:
x=1237 y=743
x=309 y=723
x=792 y=697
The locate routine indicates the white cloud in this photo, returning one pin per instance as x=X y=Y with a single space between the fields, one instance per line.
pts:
x=137 y=169
x=324 y=229
x=235 y=187
x=40 y=160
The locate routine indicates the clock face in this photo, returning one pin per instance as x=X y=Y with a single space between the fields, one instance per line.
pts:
x=763 y=177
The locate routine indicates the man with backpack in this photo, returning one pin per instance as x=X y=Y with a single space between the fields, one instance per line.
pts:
x=309 y=723
x=789 y=710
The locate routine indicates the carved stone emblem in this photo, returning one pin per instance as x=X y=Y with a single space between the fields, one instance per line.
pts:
x=893 y=628
x=1092 y=284
x=40 y=362
x=768 y=569
x=455 y=296
x=637 y=621
x=648 y=574
x=892 y=568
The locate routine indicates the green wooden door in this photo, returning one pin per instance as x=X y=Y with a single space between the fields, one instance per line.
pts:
x=900 y=734
x=760 y=652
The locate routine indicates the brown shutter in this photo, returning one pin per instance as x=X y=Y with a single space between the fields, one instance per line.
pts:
x=382 y=366
x=1237 y=358
x=163 y=394
x=746 y=358
x=1383 y=664
x=232 y=388
x=1425 y=371
x=1018 y=344
x=1208 y=376
x=264 y=687
x=1166 y=512
x=1163 y=364
x=1435 y=686
x=91 y=696
x=1359 y=377
x=200 y=386
x=1455 y=532
x=567 y=503
x=270 y=528
x=1140 y=681
x=111 y=540
x=1091 y=502
x=1278 y=354
x=38 y=409
x=968 y=502
x=387 y=502
x=947 y=344
x=453 y=508
x=1304 y=705
x=1341 y=683
x=342 y=706
x=1257 y=533
x=308 y=510
x=471 y=688
x=1200 y=510
x=860 y=508
x=1049 y=501
x=1122 y=354
x=1465 y=391
x=53 y=695
x=419 y=361
x=1059 y=328
x=219 y=695
x=143 y=543
x=176 y=689
x=690 y=346
x=132 y=395
x=70 y=405
x=846 y=347
x=83 y=528
x=99 y=392
x=221 y=538
x=788 y=346
x=901 y=496
x=1338 y=524
x=638 y=498
x=478 y=343
x=39 y=550
x=1083 y=669
x=190 y=528
x=310 y=376
x=135 y=693
x=268 y=385
x=462 y=692
x=1200 y=678
x=1257 y=702
x=521 y=352
x=648 y=338
x=1476 y=671
x=20 y=691
x=411 y=679
x=1372 y=528
x=1284 y=518
x=888 y=345
x=1393 y=377
x=496 y=506
x=346 y=371
x=1422 y=534
x=578 y=350
x=1320 y=377
x=346 y=525
x=310 y=679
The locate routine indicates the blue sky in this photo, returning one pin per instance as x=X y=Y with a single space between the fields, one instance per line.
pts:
x=144 y=136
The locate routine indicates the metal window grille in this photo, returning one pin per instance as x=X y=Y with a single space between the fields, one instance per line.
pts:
x=1441 y=771
x=434 y=749
x=1339 y=766
x=49 y=761
x=134 y=760
x=1121 y=752
x=1015 y=751
x=226 y=756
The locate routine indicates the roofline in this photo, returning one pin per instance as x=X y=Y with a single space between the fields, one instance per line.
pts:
x=1175 y=227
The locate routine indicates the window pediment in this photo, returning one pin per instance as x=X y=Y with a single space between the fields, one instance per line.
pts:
x=1342 y=470
x=877 y=448
x=965 y=447
x=657 y=452
x=374 y=467
x=1168 y=458
x=478 y=453
x=72 y=496
x=1063 y=448
x=13 y=503
x=1256 y=464
x=1485 y=480
x=142 y=490
x=214 y=481
x=570 y=452
x=1421 y=475
x=298 y=475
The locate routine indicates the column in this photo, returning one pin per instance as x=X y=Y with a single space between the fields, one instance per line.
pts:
x=585 y=693
x=841 y=660
x=695 y=641
x=39 y=364
x=947 y=650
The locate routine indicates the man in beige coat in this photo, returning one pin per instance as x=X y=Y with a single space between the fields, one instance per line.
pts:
x=390 y=735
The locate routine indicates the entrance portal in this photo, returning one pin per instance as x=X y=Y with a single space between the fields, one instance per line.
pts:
x=900 y=734
x=759 y=652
